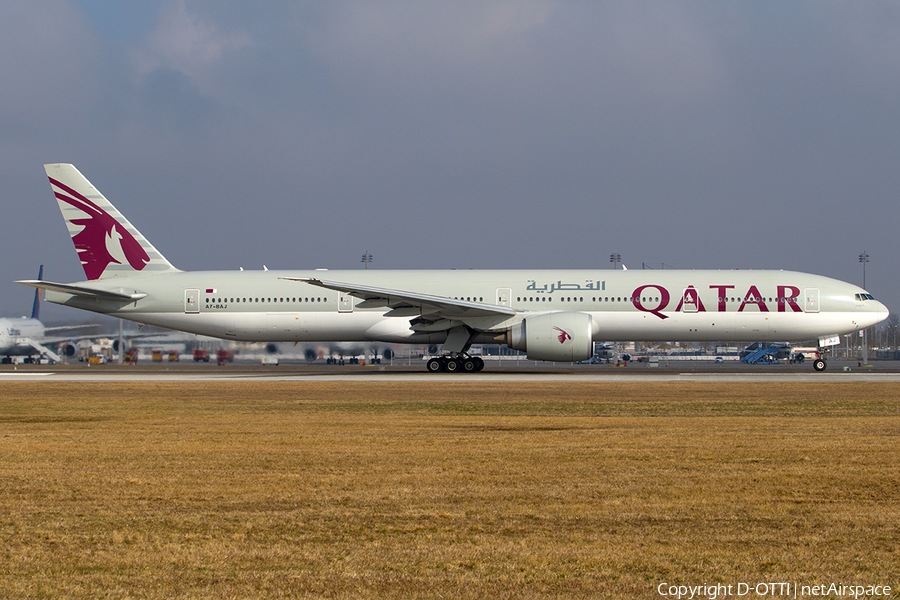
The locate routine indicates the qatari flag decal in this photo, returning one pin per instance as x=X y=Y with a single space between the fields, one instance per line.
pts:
x=210 y=290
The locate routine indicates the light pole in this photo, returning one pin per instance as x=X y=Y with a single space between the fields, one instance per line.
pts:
x=615 y=259
x=864 y=258
x=366 y=259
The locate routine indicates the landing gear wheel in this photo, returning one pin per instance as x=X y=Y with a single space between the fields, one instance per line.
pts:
x=434 y=365
x=452 y=365
x=819 y=364
x=479 y=364
x=469 y=365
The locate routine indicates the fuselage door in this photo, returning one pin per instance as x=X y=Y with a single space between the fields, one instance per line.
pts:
x=503 y=296
x=345 y=302
x=811 y=300
x=191 y=301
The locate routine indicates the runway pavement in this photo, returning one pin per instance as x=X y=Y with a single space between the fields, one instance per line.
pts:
x=838 y=372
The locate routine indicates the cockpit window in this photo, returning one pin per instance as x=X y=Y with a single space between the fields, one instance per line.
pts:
x=864 y=297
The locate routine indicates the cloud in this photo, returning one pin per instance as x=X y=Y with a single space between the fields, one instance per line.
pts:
x=410 y=35
x=657 y=50
x=187 y=43
x=49 y=70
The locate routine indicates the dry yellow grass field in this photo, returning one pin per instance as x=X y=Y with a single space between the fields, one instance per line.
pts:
x=451 y=490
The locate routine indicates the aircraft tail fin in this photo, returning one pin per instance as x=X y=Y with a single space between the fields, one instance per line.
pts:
x=107 y=244
x=36 y=307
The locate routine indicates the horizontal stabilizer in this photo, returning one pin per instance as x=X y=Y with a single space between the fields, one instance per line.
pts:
x=78 y=290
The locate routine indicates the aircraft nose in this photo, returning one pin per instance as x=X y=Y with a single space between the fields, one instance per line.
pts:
x=880 y=313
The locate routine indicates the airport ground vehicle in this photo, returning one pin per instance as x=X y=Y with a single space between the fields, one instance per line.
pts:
x=224 y=357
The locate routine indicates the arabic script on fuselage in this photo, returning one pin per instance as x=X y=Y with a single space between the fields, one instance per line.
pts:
x=558 y=286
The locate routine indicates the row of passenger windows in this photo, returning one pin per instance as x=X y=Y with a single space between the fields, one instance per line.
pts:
x=271 y=300
x=521 y=299
x=581 y=299
x=649 y=299
x=748 y=299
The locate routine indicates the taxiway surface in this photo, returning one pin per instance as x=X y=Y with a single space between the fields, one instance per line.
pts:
x=837 y=372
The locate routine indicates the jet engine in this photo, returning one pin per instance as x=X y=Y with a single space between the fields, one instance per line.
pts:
x=556 y=336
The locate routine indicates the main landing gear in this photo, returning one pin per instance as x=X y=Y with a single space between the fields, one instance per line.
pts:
x=459 y=364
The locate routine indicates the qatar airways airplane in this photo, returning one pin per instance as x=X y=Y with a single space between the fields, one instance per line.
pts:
x=551 y=315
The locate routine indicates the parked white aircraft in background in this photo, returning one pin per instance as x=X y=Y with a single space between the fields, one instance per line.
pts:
x=26 y=336
x=551 y=315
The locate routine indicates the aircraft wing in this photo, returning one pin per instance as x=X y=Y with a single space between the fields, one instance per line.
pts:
x=78 y=290
x=65 y=327
x=408 y=304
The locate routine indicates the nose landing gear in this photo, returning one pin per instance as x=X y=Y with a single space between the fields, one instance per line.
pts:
x=820 y=364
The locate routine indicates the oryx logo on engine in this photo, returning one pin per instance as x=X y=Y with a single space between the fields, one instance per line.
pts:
x=563 y=335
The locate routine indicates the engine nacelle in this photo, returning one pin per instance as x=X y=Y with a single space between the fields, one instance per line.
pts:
x=557 y=336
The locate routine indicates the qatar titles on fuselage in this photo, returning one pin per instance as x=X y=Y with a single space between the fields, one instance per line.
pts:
x=549 y=314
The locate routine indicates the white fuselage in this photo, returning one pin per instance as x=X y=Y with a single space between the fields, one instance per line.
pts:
x=624 y=305
x=14 y=332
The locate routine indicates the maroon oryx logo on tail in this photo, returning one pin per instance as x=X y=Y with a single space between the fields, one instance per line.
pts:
x=103 y=240
x=563 y=335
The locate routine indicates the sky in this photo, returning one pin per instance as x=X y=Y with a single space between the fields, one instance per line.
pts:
x=471 y=134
